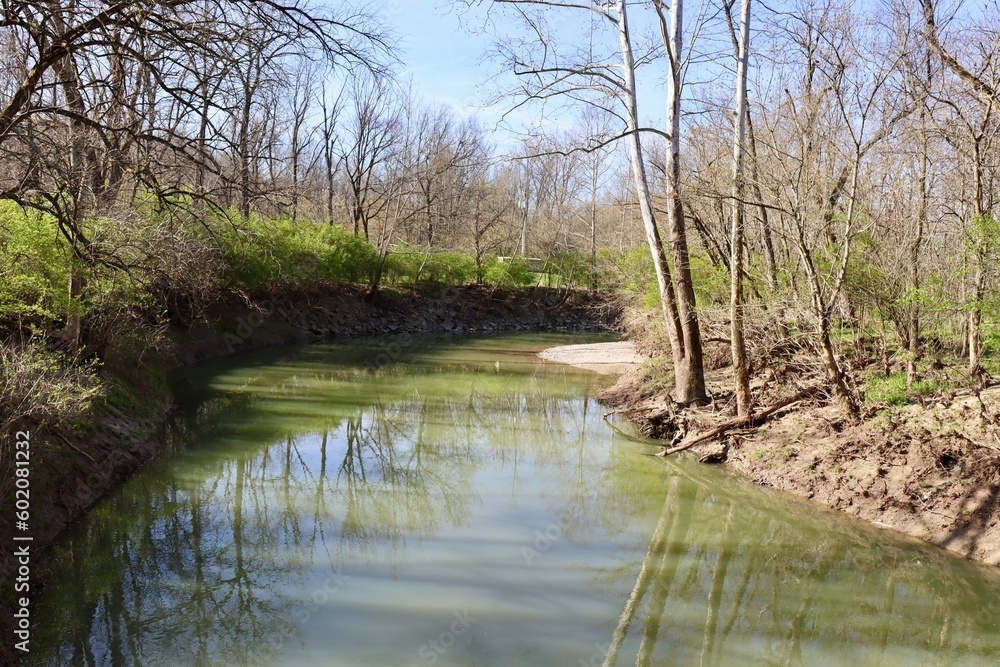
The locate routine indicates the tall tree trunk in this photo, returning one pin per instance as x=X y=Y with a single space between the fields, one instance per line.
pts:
x=913 y=320
x=594 y=173
x=979 y=256
x=243 y=151
x=690 y=373
x=82 y=161
x=765 y=222
x=741 y=366
x=668 y=303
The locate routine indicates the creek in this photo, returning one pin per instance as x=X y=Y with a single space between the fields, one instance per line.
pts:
x=458 y=501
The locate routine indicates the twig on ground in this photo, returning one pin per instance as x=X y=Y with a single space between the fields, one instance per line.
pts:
x=75 y=448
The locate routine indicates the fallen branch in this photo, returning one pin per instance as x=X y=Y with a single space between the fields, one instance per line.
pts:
x=75 y=448
x=630 y=411
x=748 y=420
x=623 y=434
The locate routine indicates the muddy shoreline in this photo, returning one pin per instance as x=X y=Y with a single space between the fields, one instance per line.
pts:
x=929 y=470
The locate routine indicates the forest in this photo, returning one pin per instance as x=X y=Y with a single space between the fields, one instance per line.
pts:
x=824 y=181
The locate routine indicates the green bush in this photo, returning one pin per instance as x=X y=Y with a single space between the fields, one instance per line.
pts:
x=569 y=269
x=514 y=272
x=449 y=268
x=633 y=274
x=271 y=252
x=408 y=265
x=38 y=386
x=34 y=265
x=889 y=390
x=711 y=281
x=892 y=390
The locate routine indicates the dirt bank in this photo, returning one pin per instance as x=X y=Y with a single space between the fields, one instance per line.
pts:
x=72 y=469
x=930 y=470
x=240 y=322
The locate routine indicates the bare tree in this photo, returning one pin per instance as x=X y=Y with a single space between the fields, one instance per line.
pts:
x=976 y=116
x=120 y=97
x=368 y=143
x=688 y=362
x=741 y=369
x=596 y=74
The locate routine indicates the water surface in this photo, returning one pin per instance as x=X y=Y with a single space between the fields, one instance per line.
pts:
x=460 y=502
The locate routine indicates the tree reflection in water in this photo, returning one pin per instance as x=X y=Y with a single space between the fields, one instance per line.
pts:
x=425 y=482
x=727 y=579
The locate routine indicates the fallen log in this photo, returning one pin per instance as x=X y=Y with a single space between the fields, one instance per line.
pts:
x=754 y=419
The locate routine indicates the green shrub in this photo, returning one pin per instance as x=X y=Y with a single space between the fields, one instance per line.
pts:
x=711 y=281
x=889 y=390
x=38 y=386
x=409 y=265
x=633 y=274
x=343 y=257
x=570 y=269
x=513 y=272
x=449 y=268
x=271 y=252
x=34 y=265
x=892 y=390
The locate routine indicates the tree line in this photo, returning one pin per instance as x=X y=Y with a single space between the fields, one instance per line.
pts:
x=837 y=160
x=836 y=163
x=204 y=114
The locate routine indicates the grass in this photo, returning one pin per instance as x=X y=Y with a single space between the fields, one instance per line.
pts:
x=892 y=390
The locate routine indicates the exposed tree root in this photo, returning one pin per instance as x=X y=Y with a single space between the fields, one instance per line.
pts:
x=754 y=419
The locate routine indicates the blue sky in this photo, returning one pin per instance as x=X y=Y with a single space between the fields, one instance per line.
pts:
x=441 y=53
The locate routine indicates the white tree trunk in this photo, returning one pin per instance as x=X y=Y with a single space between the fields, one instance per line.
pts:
x=741 y=366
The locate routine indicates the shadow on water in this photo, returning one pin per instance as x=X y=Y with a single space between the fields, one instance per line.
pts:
x=466 y=505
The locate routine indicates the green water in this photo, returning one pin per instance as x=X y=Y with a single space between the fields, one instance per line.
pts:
x=459 y=502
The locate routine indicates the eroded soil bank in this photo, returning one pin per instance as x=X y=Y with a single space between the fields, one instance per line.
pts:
x=929 y=470
x=72 y=469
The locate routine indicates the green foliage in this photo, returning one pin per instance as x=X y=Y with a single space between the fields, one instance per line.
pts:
x=711 y=282
x=408 y=265
x=991 y=348
x=569 y=269
x=984 y=233
x=514 y=272
x=892 y=390
x=34 y=265
x=272 y=252
x=633 y=274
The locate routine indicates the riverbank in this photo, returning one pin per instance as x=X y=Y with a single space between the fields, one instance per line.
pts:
x=72 y=469
x=930 y=470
